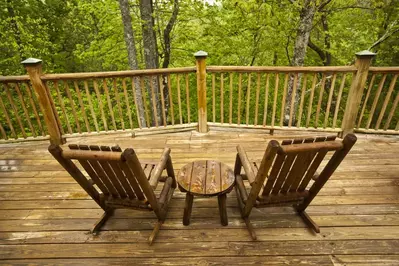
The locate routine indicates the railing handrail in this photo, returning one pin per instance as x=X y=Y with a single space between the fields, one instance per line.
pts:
x=14 y=78
x=384 y=69
x=115 y=74
x=283 y=69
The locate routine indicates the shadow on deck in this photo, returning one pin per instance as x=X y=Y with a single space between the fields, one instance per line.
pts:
x=45 y=216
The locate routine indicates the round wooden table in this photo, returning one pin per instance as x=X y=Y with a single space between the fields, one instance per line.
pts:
x=205 y=178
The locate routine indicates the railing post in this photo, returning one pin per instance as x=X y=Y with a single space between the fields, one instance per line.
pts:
x=34 y=68
x=200 y=57
x=363 y=62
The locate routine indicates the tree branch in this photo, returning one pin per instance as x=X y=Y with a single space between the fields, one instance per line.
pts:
x=386 y=36
x=166 y=34
x=317 y=49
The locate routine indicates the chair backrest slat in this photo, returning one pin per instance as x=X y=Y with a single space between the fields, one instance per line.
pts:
x=296 y=163
x=273 y=174
x=113 y=174
x=132 y=180
x=299 y=167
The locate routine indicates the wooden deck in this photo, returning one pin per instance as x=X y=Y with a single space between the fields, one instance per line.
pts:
x=45 y=216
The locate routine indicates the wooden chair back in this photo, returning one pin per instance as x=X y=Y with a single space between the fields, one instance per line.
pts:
x=287 y=169
x=116 y=177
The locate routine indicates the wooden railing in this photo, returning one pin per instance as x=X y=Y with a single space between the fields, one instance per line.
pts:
x=379 y=112
x=338 y=99
x=317 y=101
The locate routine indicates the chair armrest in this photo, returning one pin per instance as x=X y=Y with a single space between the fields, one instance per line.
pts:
x=159 y=168
x=246 y=164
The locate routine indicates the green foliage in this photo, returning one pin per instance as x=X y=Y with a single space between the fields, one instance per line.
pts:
x=81 y=36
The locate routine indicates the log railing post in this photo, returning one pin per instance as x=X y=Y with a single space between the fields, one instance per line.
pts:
x=34 y=68
x=200 y=57
x=363 y=62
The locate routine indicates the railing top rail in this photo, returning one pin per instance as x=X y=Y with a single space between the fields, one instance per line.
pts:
x=272 y=69
x=384 y=69
x=14 y=78
x=115 y=74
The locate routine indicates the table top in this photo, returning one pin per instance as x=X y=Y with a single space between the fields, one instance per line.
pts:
x=207 y=178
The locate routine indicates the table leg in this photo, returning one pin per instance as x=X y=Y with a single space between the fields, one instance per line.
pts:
x=222 y=209
x=187 y=208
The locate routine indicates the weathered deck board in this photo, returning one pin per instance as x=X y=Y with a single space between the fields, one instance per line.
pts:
x=45 y=215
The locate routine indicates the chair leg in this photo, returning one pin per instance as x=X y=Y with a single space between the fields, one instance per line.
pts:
x=246 y=219
x=222 y=209
x=306 y=218
x=187 y=208
x=155 y=232
x=97 y=226
x=250 y=228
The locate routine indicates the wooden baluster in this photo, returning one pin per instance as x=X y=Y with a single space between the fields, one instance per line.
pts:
x=395 y=103
x=135 y=103
x=366 y=100
x=294 y=88
x=248 y=99
x=387 y=98
x=213 y=99
x=110 y=107
x=275 y=99
x=33 y=105
x=231 y=99
x=311 y=99
x=100 y=103
x=82 y=108
x=341 y=89
x=257 y=99
x=118 y=103
x=376 y=98
x=323 y=84
x=66 y=87
x=3 y=132
x=143 y=94
x=154 y=105
x=8 y=118
x=26 y=113
x=188 y=100
x=171 y=100
x=329 y=100
x=15 y=110
x=161 y=85
x=52 y=104
x=61 y=102
x=239 y=99
x=283 y=100
x=179 y=99
x=302 y=100
x=129 y=111
x=221 y=97
x=93 y=114
x=266 y=100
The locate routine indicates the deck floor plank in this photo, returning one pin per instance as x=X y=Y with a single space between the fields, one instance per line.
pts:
x=45 y=216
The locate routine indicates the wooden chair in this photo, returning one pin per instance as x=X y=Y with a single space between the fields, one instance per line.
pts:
x=285 y=173
x=118 y=180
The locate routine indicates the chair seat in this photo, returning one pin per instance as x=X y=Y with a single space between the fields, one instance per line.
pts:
x=289 y=197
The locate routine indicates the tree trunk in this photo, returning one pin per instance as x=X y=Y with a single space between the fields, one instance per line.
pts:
x=167 y=51
x=128 y=34
x=150 y=54
x=301 y=42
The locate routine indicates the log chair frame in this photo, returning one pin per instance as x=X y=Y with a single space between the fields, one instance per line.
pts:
x=282 y=185
x=120 y=180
